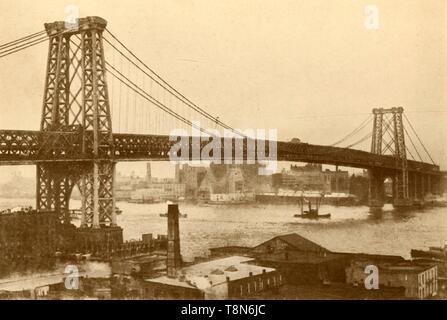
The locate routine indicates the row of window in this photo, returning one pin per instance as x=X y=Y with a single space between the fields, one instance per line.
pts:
x=259 y=284
x=428 y=290
x=428 y=275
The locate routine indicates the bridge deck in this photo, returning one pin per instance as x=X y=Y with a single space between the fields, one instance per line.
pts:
x=30 y=147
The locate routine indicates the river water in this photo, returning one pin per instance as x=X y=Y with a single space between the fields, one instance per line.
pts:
x=350 y=229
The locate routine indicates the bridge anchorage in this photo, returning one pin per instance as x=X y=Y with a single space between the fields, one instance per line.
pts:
x=410 y=185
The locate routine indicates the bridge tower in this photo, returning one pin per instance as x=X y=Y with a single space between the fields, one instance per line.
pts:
x=76 y=101
x=389 y=138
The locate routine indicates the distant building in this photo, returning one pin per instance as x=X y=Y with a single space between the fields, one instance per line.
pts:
x=236 y=197
x=419 y=281
x=192 y=177
x=312 y=177
x=158 y=191
x=125 y=185
x=236 y=181
x=123 y=193
x=359 y=187
x=227 y=278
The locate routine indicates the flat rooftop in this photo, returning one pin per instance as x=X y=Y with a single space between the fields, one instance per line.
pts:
x=207 y=274
x=407 y=267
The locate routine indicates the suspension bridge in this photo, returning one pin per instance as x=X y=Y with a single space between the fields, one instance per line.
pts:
x=95 y=82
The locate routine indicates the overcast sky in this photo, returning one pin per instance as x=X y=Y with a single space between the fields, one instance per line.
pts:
x=310 y=69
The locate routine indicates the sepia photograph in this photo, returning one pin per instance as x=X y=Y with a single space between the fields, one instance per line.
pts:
x=247 y=151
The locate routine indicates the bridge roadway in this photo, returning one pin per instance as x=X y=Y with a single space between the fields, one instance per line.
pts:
x=20 y=147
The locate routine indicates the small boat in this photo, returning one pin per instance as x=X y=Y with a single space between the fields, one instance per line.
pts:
x=181 y=215
x=75 y=214
x=307 y=215
x=312 y=213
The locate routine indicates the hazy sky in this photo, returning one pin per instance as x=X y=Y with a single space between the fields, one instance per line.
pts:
x=310 y=69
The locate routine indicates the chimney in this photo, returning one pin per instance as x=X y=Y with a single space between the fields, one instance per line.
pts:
x=174 y=259
x=148 y=173
x=177 y=173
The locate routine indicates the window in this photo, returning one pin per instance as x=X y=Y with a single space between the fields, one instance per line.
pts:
x=242 y=290
x=254 y=284
x=248 y=287
x=261 y=284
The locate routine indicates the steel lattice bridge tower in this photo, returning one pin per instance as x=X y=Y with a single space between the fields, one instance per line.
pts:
x=409 y=187
x=76 y=145
x=88 y=115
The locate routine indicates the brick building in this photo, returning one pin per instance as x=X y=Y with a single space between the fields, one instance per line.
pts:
x=232 y=277
x=27 y=239
x=419 y=281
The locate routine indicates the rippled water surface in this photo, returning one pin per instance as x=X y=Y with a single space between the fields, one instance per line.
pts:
x=353 y=229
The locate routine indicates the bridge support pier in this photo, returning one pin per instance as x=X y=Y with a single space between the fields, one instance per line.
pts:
x=97 y=195
x=376 y=188
x=54 y=187
x=412 y=193
x=401 y=190
x=95 y=180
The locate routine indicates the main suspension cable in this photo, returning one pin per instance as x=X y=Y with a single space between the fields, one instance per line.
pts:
x=355 y=131
x=23 y=39
x=26 y=44
x=23 y=47
x=170 y=88
x=420 y=141
x=134 y=87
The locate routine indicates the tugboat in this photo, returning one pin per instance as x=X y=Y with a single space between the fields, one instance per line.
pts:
x=311 y=213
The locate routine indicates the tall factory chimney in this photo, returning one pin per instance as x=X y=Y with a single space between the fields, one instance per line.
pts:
x=148 y=173
x=177 y=173
x=174 y=259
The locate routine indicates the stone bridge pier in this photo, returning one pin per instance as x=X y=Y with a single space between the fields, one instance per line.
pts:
x=408 y=191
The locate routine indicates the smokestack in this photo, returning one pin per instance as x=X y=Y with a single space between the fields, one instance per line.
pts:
x=148 y=173
x=177 y=173
x=174 y=259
